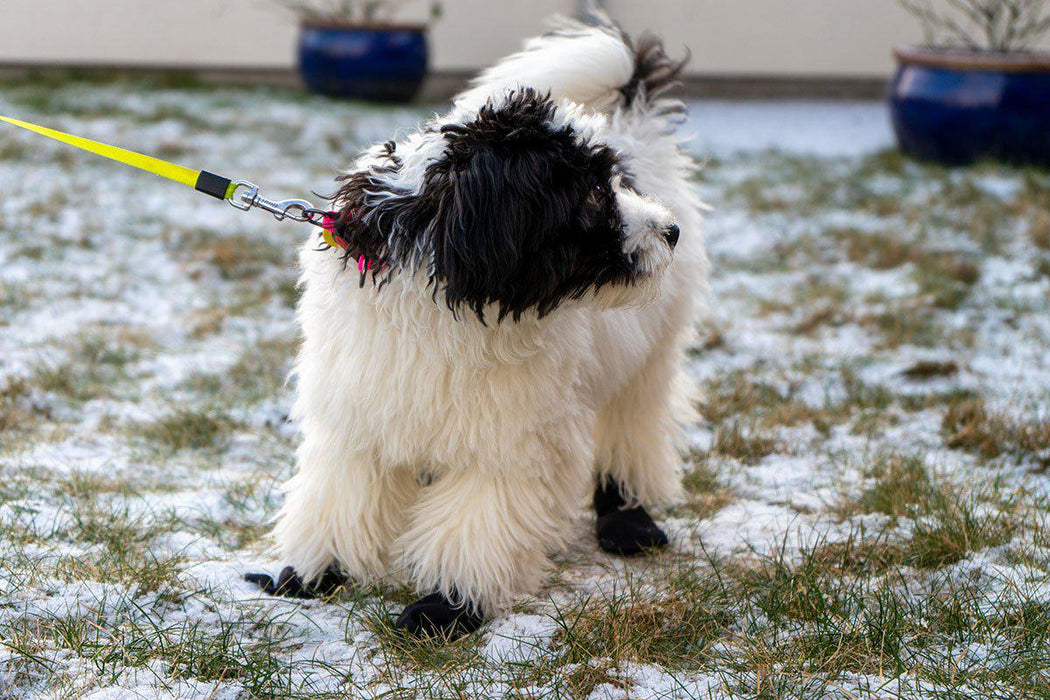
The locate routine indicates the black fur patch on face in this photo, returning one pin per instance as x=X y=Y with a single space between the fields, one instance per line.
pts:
x=515 y=214
x=524 y=216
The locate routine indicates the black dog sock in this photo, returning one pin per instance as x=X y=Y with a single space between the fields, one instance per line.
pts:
x=624 y=531
x=436 y=616
x=289 y=584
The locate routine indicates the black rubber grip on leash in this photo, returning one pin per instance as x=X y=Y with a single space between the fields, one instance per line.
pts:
x=212 y=184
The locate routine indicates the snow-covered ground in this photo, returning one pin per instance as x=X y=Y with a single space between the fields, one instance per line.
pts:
x=868 y=498
x=803 y=128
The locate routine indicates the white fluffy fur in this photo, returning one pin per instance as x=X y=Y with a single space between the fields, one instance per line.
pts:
x=456 y=453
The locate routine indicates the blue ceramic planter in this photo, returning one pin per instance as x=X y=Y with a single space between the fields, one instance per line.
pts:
x=959 y=107
x=386 y=64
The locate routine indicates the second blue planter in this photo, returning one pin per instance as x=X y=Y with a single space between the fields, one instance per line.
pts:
x=384 y=63
x=956 y=107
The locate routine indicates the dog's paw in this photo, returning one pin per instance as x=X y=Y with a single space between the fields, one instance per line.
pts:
x=436 y=616
x=628 y=532
x=289 y=584
x=624 y=531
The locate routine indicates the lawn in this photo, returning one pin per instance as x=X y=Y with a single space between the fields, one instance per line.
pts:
x=868 y=489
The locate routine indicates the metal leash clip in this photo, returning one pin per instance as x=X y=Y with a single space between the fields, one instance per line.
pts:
x=245 y=195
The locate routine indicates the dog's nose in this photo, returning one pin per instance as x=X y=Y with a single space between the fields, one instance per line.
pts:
x=671 y=234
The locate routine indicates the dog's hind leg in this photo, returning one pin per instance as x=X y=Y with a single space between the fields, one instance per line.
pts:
x=480 y=537
x=637 y=456
x=340 y=514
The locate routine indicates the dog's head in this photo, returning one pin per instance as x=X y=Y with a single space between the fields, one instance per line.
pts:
x=520 y=208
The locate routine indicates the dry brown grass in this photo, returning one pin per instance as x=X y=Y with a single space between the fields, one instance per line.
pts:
x=944 y=277
x=706 y=492
x=908 y=323
x=235 y=257
x=969 y=425
x=879 y=251
x=929 y=369
x=948 y=521
x=190 y=429
x=744 y=443
x=1039 y=229
x=738 y=397
x=17 y=412
x=670 y=621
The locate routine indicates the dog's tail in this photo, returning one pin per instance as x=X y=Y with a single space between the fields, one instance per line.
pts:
x=590 y=61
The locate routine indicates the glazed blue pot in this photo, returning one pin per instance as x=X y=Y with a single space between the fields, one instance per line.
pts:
x=957 y=107
x=383 y=63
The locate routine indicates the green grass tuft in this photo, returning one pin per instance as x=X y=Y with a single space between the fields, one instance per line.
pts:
x=672 y=622
x=190 y=429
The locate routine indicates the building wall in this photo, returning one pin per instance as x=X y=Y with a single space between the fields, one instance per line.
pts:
x=833 y=38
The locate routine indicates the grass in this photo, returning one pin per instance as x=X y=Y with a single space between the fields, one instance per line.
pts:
x=738 y=400
x=873 y=316
x=17 y=412
x=781 y=623
x=119 y=635
x=875 y=625
x=906 y=324
x=970 y=426
x=108 y=532
x=738 y=397
x=900 y=483
x=931 y=369
x=944 y=276
x=435 y=654
x=242 y=524
x=188 y=429
x=705 y=489
x=258 y=374
x=95 y=366
x=745 y=444
x=672 y=624
x=234 y=257
x=948 y=522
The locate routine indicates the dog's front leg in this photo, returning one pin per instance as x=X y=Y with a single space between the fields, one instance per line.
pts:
x=341 y=512
x=480 y=537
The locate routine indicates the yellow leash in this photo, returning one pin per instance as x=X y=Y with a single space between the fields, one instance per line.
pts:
x=239 y=193
x=178 y=173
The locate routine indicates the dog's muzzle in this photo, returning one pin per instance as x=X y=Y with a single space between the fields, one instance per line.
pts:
x=671 y=234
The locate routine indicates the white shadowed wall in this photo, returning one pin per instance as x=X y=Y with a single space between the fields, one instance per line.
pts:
x=806 y=38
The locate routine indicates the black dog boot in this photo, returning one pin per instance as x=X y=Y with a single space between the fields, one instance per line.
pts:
x=290 y=585
x=436 y=616
x=622 y=530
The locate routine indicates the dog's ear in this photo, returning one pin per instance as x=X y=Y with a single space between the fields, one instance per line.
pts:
x=487 y=224
x=490 y=216
x=370 y=205
x=506 y=202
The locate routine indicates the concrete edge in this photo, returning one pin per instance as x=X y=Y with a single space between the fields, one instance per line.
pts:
x=441 y=85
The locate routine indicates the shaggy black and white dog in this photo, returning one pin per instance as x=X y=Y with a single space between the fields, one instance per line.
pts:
x=512 y=344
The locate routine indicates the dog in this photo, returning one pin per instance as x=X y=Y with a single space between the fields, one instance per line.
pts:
x=499 y=335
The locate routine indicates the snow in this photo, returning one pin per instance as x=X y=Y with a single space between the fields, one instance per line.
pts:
x=825 y=129
x=120 y=262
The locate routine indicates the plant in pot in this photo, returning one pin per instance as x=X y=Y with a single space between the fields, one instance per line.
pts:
x=977 y=89
x=356 y=48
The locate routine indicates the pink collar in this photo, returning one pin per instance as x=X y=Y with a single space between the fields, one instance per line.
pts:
x=336 y=241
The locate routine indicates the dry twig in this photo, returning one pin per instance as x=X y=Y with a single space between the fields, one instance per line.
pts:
x=991 y=25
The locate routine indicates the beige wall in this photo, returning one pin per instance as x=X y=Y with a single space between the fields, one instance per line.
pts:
x=777 y=37
x=754 y=37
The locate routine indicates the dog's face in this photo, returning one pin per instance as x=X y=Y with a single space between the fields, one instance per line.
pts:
x=521 y=208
